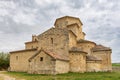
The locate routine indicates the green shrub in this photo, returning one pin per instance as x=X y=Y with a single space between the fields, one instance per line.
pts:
x=4 y=60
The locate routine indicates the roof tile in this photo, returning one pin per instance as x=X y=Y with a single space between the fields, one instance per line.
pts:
x=100 y=48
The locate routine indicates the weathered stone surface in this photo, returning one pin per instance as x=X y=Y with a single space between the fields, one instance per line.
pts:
x=19 y=60
x=93 y=66
x=77 y=61
x=106 y=59
x=45 y=66
x=61 y=66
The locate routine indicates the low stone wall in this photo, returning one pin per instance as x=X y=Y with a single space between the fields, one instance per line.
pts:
x=116 y=68
x=93 y=66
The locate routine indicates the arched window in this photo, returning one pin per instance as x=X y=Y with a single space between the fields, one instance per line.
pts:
x=35 y=39
x=16 y=57
x=52 y=40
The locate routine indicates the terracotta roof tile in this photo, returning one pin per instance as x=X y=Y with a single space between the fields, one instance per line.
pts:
x=34 y=49
x=85 y=41
x=72 y=25
x=101 y=48
x=52 y=54
x=75 y=49
x=56 y=55
x=31 y=42
x=92 y=58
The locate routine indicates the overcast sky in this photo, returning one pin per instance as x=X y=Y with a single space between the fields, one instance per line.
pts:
x=19 y=19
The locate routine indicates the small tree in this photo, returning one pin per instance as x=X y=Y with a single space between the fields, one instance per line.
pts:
x=4 y=60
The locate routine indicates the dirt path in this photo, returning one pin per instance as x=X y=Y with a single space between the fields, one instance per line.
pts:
x=6 y=77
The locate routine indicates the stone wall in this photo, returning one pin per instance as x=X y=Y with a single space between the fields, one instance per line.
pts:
x=56 y=40
x=86 y=47
x=62 y=66
x=19 y=60
x=93 y=66
x=74 y=28
x=106 y=59
x=61 y=23
x=72 y=40
x=31 y=45
x=65 y=21
x=42 y=64
x=77 y=62
x=72 y=20
x=116 y=68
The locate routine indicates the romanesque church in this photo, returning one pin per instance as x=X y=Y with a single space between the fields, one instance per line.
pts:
x=61 y=49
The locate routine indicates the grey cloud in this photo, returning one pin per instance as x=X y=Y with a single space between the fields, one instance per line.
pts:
x=9 y=26
x=77 y=4
x=25 y=3
x=100 y=19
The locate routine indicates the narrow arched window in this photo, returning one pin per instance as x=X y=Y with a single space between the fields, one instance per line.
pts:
x=16 y=57
x=52 y=40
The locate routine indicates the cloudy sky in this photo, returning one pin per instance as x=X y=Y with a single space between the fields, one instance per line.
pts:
x=19 y=19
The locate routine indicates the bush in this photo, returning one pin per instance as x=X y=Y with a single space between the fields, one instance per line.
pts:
x=4 y=61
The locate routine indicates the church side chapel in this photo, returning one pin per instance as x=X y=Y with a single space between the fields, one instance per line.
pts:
x=61 y=49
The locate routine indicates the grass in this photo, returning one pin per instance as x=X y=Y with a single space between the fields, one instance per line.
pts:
x=116 y=64
x=67 y=76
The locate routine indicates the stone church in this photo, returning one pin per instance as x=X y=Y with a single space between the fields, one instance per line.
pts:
x=61 y=49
